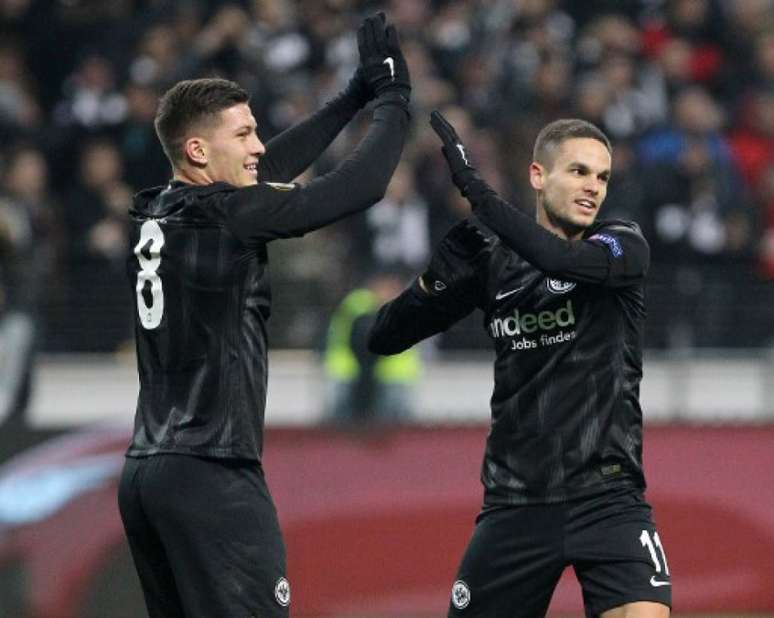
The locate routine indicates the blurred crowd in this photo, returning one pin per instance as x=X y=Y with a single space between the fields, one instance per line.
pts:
x=684 y=88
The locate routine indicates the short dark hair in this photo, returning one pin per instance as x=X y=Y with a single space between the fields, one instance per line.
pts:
x=554 y=133
x=189 y=103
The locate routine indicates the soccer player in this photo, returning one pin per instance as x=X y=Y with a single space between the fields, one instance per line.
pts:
x=562 y=299
x=201 y=523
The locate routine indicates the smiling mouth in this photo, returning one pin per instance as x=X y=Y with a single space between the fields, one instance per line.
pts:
x=252 y=168
x=587 y=205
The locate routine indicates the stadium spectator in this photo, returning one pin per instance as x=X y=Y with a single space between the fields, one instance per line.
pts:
x=697 y=197
x=362 y=388
x=26 y=258
x=749 y=21
x=685 y=39
x=95 y=214
x=766 y=196
x=26 y=184
x=609 y=57
x=395 y=233
x=19 y=108
x=702 y=222
x=93 y=99
x=144 y=160
x=752 y=139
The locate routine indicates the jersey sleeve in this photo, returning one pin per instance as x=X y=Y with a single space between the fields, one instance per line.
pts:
x=450 y=289
x=291 y=152
x=413 y=316
x=614 y=255
x=625 y=250
x=268 y=210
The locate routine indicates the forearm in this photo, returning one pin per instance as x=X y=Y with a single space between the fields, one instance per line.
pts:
x=614 y=254
x=265 y=212
x=412 y=317
x=291 y=152
x=361 y=179
x=522 y=234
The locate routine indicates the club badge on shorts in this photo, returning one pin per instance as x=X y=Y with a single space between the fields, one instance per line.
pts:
x=460 y=594
x=282 y=592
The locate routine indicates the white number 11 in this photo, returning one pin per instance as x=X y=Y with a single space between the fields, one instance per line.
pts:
x=651 y=545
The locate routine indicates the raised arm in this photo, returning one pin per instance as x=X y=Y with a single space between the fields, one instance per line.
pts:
x=614 y=254
x=268 y=210
x=291 y=152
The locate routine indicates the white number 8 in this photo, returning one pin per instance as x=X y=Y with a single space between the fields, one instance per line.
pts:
x=150 y=232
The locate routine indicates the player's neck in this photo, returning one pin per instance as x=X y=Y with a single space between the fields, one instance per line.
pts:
x=192 y=176
x=555 y=226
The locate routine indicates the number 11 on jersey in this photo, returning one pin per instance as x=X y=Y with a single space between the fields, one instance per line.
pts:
x=148 y=252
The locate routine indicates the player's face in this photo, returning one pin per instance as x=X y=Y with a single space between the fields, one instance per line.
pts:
x=572 y=189
x=233 y=147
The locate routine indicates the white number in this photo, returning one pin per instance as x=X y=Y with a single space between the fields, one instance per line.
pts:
x=663 y=553
x=646 y=542
x=150 y=232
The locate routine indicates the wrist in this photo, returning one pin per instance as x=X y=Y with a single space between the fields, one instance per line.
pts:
x=463 y=178
x=474 y=188
x=396 y=89
x=356 y=93
x=420 y=289
x=392 y=98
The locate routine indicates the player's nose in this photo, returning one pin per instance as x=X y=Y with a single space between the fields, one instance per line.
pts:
x=256 y=147
x=591 y=186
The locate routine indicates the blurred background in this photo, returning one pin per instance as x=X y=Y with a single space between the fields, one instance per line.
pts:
x=374 y=465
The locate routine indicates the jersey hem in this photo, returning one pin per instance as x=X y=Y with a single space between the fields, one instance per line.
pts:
x=498 y=500
x=211 y=453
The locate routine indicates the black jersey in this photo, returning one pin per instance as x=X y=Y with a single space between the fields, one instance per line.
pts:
x=198 y=273
x=566 y=419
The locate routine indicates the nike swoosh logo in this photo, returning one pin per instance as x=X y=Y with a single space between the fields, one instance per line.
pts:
x=390 y=63
x=500 y=295
x=461 y=148
x=656 y=583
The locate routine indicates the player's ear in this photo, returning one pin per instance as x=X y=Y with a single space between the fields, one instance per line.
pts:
x=537 y=175
x=195 y=149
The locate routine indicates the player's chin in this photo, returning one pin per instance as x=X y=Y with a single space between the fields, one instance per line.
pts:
x=248 y=180
x=585 y=219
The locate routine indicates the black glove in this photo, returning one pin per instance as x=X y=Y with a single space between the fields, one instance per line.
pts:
x=384 y=69
x=463 y=173
x=453 y=267
x=357 y=89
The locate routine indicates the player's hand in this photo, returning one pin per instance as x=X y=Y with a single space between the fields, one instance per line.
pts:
x=453 y=266
x=463 y=173
x=382 y=64
x=357 y=88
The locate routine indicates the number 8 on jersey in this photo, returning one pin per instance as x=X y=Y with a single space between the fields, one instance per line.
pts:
x=148 y=252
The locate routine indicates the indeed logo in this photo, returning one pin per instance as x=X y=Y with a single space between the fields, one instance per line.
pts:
x=522 y=324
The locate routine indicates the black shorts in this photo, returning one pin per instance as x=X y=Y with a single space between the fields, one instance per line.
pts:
x=204 y=537
x=517 y=554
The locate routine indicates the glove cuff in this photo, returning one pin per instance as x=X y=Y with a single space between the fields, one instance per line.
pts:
x=356 y=91
x=393 y=97
x=472 y=187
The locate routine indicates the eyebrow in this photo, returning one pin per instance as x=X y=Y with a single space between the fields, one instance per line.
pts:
x=586 y=169
x=246 y=127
